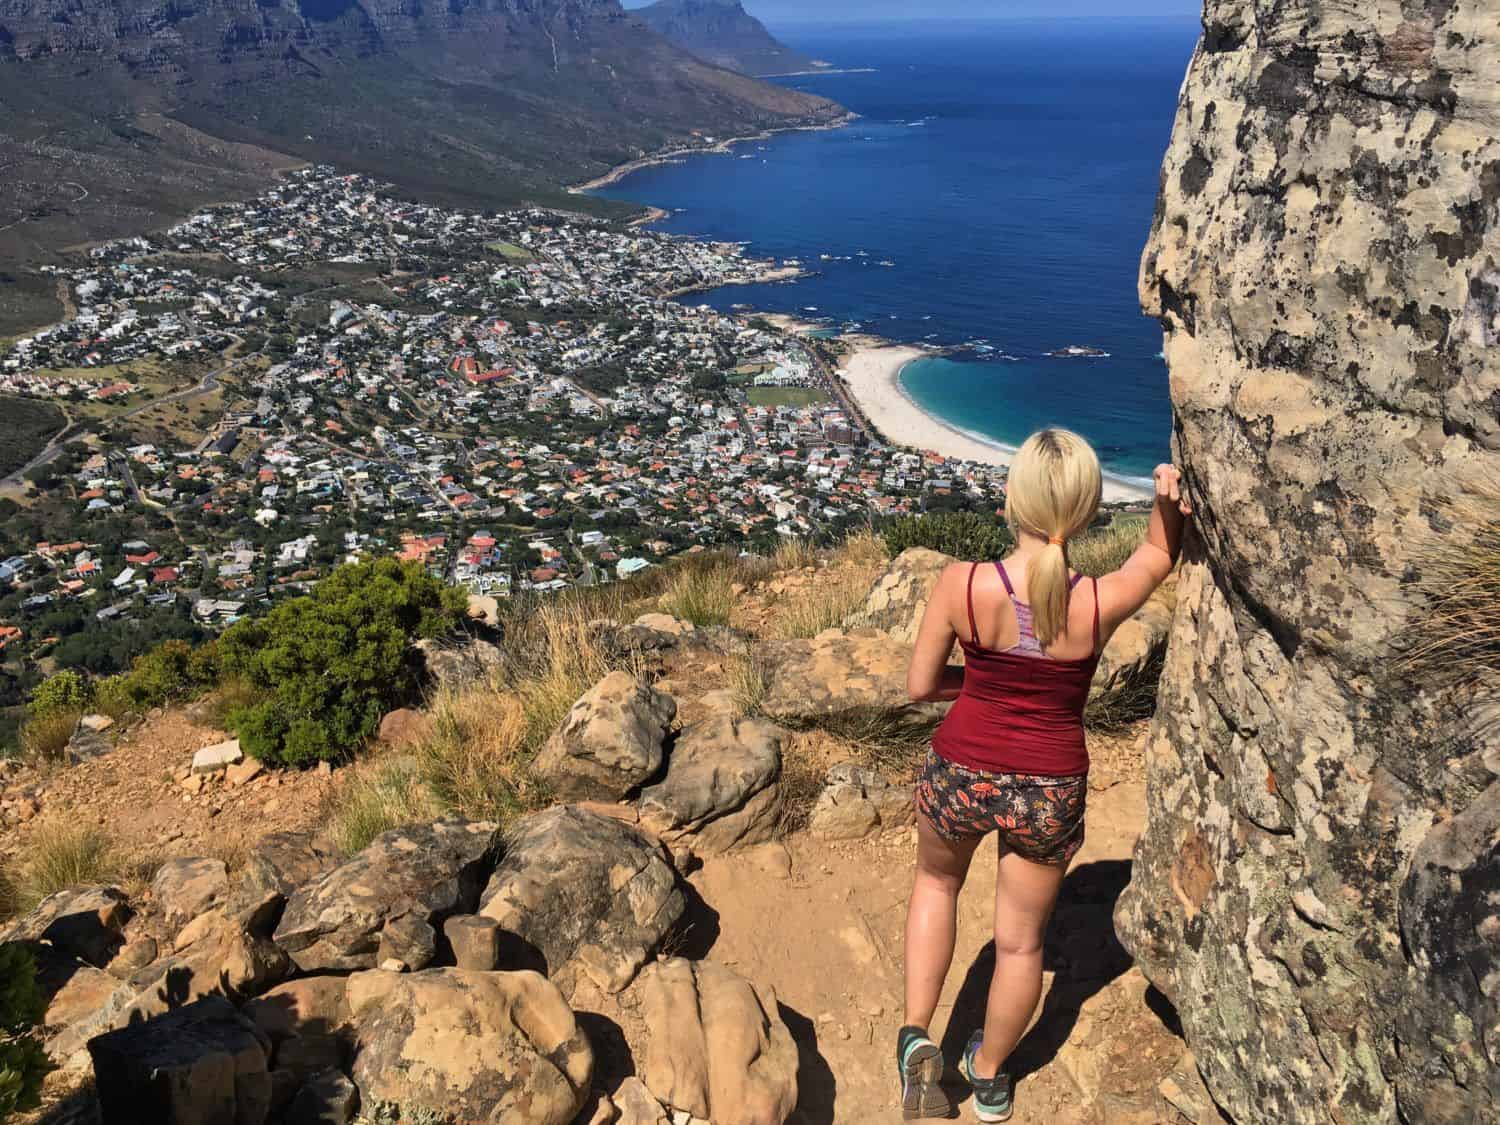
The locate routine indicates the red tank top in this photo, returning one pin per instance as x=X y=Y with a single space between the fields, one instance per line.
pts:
x=1019 y=713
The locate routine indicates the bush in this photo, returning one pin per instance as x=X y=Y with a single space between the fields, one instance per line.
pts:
x=66 y=691
x=45 y=737
x=964 y=535
x=329 y=666
x=23 y=1063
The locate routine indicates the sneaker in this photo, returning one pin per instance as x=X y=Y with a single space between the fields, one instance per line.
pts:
x=921 y=1066
x=992 y=1096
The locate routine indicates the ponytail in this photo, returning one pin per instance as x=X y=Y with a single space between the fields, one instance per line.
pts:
x=1053 y=491
x=1047 y=587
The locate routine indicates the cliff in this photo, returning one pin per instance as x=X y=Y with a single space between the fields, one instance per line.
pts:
x=721 y=32
x=1316 y=886
x=489 y=102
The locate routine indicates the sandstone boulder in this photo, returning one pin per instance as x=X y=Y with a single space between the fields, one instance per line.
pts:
x=451 y=665
x=858 y=800
x=404 y=727
x=1323 y=262
x=581 y=892
x=899 y=597
x=1135 y=651
x=855 y=682
x=86 y=745
x=327 y=1098
x=717 y=1048
x=219 y=757
x=476 y=1047
x=637 y=1105
x=203 y=1064
x=610 y=742
x=85 y=922
x=182 y=889
x=721 y=785
x=387 y=901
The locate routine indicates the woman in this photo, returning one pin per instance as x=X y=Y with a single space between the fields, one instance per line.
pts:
x=1010 y=757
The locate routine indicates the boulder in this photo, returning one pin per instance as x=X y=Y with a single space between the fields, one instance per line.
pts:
x=475 y=941
x=309 y=1005
x=96 y=723
x=278 y=865
x=721 y=785
x=456 y=666
x=1138 y=645
x=407 y=881
x=404 y=727
x=717 y=1046
x=476 y=1047
x=637 y=1105
x=219 y=757
x=898 y=598
x=327 y=1098
x=485 y=610
x=133 y=956
x=856 y=801
x=203 y=1064
x=665 y=623
x=182 y=889
x=610 y=742
x=578 y=891
x=1323 y=263
x=86 y=922
x=852 y=682
x=86 y=745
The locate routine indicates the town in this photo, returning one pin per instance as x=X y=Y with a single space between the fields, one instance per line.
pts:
x=517 y=401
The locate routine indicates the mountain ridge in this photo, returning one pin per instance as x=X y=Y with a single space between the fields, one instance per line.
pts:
x=721 y=32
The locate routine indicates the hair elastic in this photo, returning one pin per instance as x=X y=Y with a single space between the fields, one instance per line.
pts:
x=1057 y=541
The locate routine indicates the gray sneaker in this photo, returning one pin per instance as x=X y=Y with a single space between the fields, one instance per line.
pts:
x=920 y=1064
x=993 y=1097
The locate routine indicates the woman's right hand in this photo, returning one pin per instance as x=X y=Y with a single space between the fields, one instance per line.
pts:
x=1168 y=480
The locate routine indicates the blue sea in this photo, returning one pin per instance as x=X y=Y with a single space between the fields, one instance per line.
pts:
x=1007 y=171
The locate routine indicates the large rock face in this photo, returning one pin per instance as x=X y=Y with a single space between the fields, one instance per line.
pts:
x=1324 y=262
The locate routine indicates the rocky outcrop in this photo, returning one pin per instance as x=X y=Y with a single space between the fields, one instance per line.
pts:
x=857 y=801
x=1135 y=651
x=84 y=922
x=1323 y=261
x=388 y=902
x=854 y=682
x=718 y=1048
x=721 y=786
x=610 y=742
x=491 y=1047
x=898 y=598
x=577 y=891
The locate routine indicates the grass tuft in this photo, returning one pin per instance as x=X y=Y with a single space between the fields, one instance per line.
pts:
x=1104 y=550
x=380 y=796
x=59 y=857
x=45 y=738
x=701 y=595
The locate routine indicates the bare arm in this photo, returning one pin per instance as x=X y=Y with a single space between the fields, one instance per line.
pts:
x=930 y=678
x=1129 y=588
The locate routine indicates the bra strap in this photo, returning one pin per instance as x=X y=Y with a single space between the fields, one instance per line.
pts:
x=1096 y=617
x=1004 y=577
x=973 y=628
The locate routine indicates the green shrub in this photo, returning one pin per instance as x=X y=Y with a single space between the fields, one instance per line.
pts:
x=66 y=691
x=328 y=667
x=964 y=535
x=23 y=1063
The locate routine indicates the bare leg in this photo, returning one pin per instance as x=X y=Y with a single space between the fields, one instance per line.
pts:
x=932 y=919
x=1025 y=893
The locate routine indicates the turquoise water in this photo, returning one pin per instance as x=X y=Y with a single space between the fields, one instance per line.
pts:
x=1007 y=173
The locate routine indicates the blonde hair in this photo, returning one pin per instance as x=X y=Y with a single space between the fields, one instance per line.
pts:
x=1053 y=492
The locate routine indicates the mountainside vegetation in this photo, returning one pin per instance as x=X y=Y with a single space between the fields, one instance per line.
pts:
x=129 y=112
x=723 y=33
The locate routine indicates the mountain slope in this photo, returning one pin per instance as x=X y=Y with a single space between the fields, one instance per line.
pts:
x=121 y=112
x=723 y=33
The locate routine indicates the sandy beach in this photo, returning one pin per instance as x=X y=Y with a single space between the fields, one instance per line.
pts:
x=873 y=373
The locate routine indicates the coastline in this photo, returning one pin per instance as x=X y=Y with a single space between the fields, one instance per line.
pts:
x=619 y=172
x=872 y=373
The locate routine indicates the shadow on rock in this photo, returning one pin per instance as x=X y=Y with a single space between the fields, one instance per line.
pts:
x=697 y=931
x=817 y=1087
x=1080 y=948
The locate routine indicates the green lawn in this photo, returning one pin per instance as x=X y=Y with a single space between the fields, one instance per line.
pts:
x=786 y=396
x=510 y=251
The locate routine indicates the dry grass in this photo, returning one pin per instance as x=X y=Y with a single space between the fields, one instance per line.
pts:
x=1457 y=641
x=10 y=896
x=1127 y=704
x=837 y=590
x=702 y=595
x=45 y=738
x=59 y=857
x=1104 y=551
x=793 y=554
x=749 y=680
x=475 y=761
x=381 y=795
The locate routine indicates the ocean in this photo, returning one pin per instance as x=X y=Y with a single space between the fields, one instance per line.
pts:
x=994 y=198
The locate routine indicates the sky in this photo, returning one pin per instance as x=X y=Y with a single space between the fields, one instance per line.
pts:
x=832 y=11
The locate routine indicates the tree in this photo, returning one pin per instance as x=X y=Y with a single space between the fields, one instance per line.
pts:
x=23 y=1063
x=329 y=666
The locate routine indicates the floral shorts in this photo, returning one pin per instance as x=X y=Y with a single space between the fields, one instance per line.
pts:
x=1038 y=818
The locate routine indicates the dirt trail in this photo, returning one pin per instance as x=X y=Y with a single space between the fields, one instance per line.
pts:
x=826 y=933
